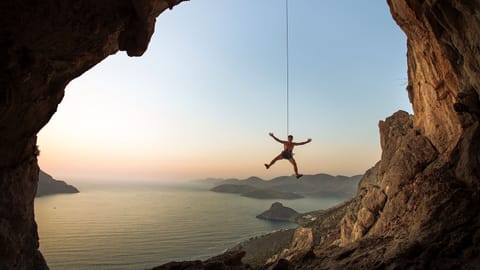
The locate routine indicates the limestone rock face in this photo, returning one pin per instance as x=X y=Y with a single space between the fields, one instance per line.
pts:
x=435 y=62
x=43 y=46
x=443 y=68
x=302 y=242
x=405 y=153
x=411 y=213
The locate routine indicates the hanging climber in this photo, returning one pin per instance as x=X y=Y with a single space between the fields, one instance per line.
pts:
x=287 y=152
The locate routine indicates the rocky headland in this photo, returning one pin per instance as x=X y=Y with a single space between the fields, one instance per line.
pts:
x=417 y=208
x=48 y=186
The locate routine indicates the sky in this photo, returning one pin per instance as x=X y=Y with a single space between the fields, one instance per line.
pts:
x=212 y=84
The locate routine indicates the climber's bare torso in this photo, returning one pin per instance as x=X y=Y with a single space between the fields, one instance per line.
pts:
x=288 y=146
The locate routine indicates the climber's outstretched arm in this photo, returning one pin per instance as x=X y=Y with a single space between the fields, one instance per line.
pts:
x=275 y=138
x=302 y=143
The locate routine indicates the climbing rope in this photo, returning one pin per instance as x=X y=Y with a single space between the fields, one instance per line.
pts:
x=287 y=68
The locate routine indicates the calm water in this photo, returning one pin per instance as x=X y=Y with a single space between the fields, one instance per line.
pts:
x=142 y=227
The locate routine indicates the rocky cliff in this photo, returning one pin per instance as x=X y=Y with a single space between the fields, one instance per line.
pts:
x=411 y=211
x=417 y=208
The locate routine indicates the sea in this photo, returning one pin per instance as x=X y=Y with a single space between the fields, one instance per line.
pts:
x=128 y=227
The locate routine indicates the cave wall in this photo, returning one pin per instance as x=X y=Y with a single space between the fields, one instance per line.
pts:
x=427 y=180
x=43 y=46
x=443 y=42
x=443 y=67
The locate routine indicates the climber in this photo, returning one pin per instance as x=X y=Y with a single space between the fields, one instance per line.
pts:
x=287 y=152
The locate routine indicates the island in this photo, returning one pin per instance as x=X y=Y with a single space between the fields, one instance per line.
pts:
x=278 y=212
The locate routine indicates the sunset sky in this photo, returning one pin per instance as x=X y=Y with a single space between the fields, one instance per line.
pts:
x=211 y=86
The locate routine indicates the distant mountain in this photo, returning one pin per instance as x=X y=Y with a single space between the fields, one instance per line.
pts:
x=272 y=194
x=47 y=185
x=318 y=185
x=230 y=188
x=253 y=192
x=252 y=181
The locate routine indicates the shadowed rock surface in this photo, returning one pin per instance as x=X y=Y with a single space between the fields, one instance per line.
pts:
x=47 y=186
x=231 y=260
x=418 y=207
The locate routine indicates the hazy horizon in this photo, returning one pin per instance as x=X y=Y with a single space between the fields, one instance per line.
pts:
x=94 y=182
x=201 y=101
